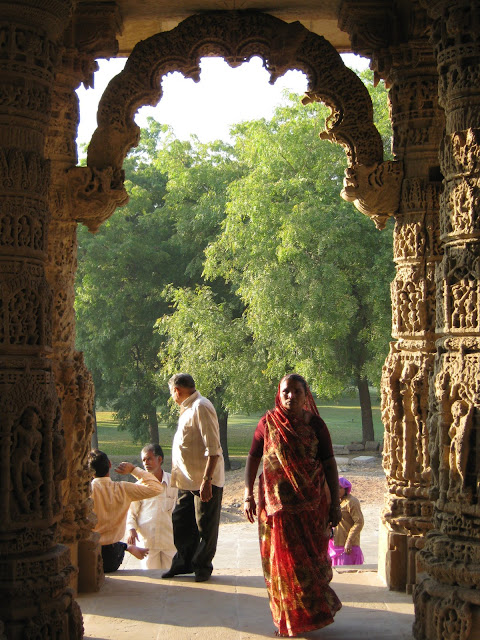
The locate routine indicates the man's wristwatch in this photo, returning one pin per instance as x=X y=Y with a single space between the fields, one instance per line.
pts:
x=207 y=478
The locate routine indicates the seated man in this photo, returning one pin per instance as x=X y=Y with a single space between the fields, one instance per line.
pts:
x=111 y=501
x=150 y=520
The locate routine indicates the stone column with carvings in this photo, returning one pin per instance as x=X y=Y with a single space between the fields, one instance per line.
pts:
x=447 y=601
x=92 y=34
x=402 y=56
x=35 y=600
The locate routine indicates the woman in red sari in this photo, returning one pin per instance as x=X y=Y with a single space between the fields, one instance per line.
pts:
x=298 y=501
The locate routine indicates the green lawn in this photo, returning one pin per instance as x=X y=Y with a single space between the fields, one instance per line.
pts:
x=343 y=421
x=119 y=443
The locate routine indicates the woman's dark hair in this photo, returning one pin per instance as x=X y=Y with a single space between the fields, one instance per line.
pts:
x=297 y=378
x=99 y=463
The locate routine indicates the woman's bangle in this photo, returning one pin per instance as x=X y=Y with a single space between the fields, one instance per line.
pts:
x=249 y=498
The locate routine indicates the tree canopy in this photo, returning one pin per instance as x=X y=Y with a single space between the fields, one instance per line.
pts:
x=176 y=205
x=311 y=272
x=237 y=262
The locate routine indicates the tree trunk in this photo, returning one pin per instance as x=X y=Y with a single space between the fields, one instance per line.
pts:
x=94 y=443
x=153 y=426
x=222 y=421
x=366 y=410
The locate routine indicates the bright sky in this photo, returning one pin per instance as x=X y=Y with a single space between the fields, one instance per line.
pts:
x=223 y=97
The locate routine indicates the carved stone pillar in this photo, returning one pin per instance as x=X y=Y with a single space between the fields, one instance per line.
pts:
x=35 y=600
x=447 y=600
x=91 y=34
x=402 y=56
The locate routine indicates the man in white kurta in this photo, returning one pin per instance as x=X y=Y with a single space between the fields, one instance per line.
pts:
x=150 y=520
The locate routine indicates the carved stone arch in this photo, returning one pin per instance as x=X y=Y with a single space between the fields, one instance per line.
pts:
x=237 y=37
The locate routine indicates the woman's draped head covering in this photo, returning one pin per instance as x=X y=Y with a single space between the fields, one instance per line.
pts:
x=293 y=478
x=309 y=401
x=345 y=484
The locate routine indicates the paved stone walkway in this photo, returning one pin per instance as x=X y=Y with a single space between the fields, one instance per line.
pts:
x=139 y=605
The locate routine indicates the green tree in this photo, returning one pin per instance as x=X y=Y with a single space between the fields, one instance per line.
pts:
x=310 y=270
x=199 y=176
x=177 y=201
x=210 y=340
x=297 y=278
x=122 y=271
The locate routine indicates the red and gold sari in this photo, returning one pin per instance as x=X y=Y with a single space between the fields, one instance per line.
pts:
x=294 y=502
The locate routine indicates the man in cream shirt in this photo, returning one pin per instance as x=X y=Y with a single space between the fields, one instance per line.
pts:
x=198 y=472
x=111 y=501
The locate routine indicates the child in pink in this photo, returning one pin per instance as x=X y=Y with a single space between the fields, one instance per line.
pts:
x=344 y=546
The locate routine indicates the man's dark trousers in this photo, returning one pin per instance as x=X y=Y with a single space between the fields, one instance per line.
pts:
x=195 y=532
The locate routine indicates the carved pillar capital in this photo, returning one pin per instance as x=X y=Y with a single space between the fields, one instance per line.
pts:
x=92 y=34
x=369 y=23
x=95 y=27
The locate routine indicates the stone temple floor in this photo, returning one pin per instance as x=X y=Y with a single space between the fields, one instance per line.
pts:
x=233 y=605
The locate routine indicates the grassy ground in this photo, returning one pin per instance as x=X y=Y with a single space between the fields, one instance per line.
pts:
x=343 y=420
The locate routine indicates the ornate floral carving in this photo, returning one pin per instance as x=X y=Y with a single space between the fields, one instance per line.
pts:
x=23 y=172
x=25 y=309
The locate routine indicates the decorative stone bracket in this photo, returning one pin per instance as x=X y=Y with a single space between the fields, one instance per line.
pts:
x=374 y=190
x=94 y=194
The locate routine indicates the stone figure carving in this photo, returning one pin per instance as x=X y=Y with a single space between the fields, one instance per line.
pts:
x=406 y=457
x=465 y=301
x=459 y=434
x=461 y=277
x=26 y=454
